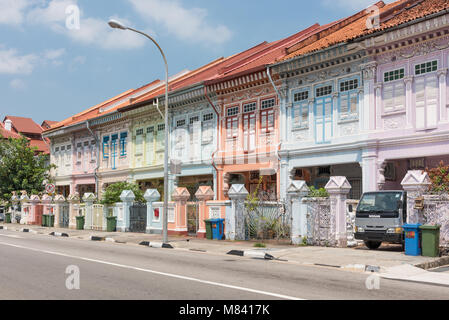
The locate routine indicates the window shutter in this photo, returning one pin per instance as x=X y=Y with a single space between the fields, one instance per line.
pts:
x=388 y=98
x=399 y=95
x=305 y=114
x=432 y=101
x=420 y=98
x=344 y=104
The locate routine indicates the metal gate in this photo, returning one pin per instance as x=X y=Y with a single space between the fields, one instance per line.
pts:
x=138 y=217
x=320 y=224
x=64 y=217
x=39 y=211
x=267 y=220
x=97 y=217
x=192 y=218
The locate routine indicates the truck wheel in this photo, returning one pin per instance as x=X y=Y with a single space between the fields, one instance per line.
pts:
x=372 y=245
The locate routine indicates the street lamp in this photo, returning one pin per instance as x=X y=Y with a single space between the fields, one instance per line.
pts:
x=118 y=25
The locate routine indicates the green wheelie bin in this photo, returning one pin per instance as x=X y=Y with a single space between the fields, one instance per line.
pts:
x=51 y=221
x=45 y=220
x=111 y=224
x=430 y=240
x=208 y=229
x=79 y=222
x=7 y=217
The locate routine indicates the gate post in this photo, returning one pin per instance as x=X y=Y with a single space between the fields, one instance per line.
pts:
x=236 y=230
x=24 y=199
x=88 y=199
x=15 y=201
x=59 y=201
x=297 y=190
x=204 y=193
x=338 y=188
x=127 y=197
x=32 y=218
x=180 y=197
x=74 y=205
x=153 y=225
x=416 y=183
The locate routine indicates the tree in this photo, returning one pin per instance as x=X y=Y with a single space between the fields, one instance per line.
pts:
x=439 y=177
x=113 y=192
x=21 y=168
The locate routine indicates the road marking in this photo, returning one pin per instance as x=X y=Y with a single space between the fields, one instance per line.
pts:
x=218 y=284
x=11 y=236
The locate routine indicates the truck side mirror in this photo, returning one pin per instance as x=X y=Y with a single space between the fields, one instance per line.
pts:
x=400 y=204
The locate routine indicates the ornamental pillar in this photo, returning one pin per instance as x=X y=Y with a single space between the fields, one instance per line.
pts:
x=74 y=207
x=338 y=189
x=180 y=197
x=88 y=199
x=416 y=183
x=236 y=230
x=154 y=218
x=297 y=190
x=127 y=197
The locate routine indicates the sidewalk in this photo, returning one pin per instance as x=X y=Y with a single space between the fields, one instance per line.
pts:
x=358 y=259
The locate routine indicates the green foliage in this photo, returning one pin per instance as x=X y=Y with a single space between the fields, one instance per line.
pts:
x=113 y=192
x=252 y=200
x=21 y=169
x=317 y=193
x=259 y=245
x=439 y=177
x=304 y=241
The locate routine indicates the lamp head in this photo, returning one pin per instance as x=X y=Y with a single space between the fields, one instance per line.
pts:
x=116 y=24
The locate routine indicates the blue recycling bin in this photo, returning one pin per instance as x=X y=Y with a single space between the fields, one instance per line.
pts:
x=412 y=239
x=217 y=228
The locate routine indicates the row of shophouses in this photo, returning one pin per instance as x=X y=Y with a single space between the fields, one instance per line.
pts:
x=365 y=97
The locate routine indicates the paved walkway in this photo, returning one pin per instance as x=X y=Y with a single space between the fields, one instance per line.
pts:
x=358 y=259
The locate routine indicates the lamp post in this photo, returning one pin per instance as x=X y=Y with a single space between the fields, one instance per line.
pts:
x=118 y=25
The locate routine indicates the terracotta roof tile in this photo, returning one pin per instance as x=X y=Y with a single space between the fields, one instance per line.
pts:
x=24 y=125
x=401 y=12
x=41 y=146
x=334 y=33
x=8 y=134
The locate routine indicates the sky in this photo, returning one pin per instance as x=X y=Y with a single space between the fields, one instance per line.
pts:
x=59 y=57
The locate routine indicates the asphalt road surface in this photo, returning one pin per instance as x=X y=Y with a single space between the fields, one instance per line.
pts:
x=34 y=266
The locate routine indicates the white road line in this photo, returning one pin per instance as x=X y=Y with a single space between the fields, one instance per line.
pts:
x=157 y=272
x=11 y=236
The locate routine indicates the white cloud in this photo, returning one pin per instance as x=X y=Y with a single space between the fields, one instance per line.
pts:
x=54 y=54
x=186 y=24
x=92 y=31
x=12 y=11
x=13 y=63
x=17 y=84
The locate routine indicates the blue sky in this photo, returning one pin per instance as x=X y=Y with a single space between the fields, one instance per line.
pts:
x=50 y=72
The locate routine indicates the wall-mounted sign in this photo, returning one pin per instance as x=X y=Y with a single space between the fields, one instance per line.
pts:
x=214 y=213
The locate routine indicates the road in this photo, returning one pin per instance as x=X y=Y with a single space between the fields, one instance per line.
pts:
x=33 y=266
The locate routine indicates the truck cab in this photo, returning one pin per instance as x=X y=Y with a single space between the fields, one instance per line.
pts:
x=379 y=218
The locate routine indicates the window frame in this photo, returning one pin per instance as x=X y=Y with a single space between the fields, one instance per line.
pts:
x=348 y=93
x=300 y=104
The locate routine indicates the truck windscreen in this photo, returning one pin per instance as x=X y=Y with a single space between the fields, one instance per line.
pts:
x=379 y=203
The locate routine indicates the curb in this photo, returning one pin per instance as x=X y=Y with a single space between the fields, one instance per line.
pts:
x=3 y=228
x=95 y=238
x=433 y=264
x=24 y=230
x=58 y=234
x=156 y=244
x=252 y=254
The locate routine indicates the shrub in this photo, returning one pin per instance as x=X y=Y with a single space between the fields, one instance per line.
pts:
x=113 y=192
x=317 y=193
x=439 y=177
